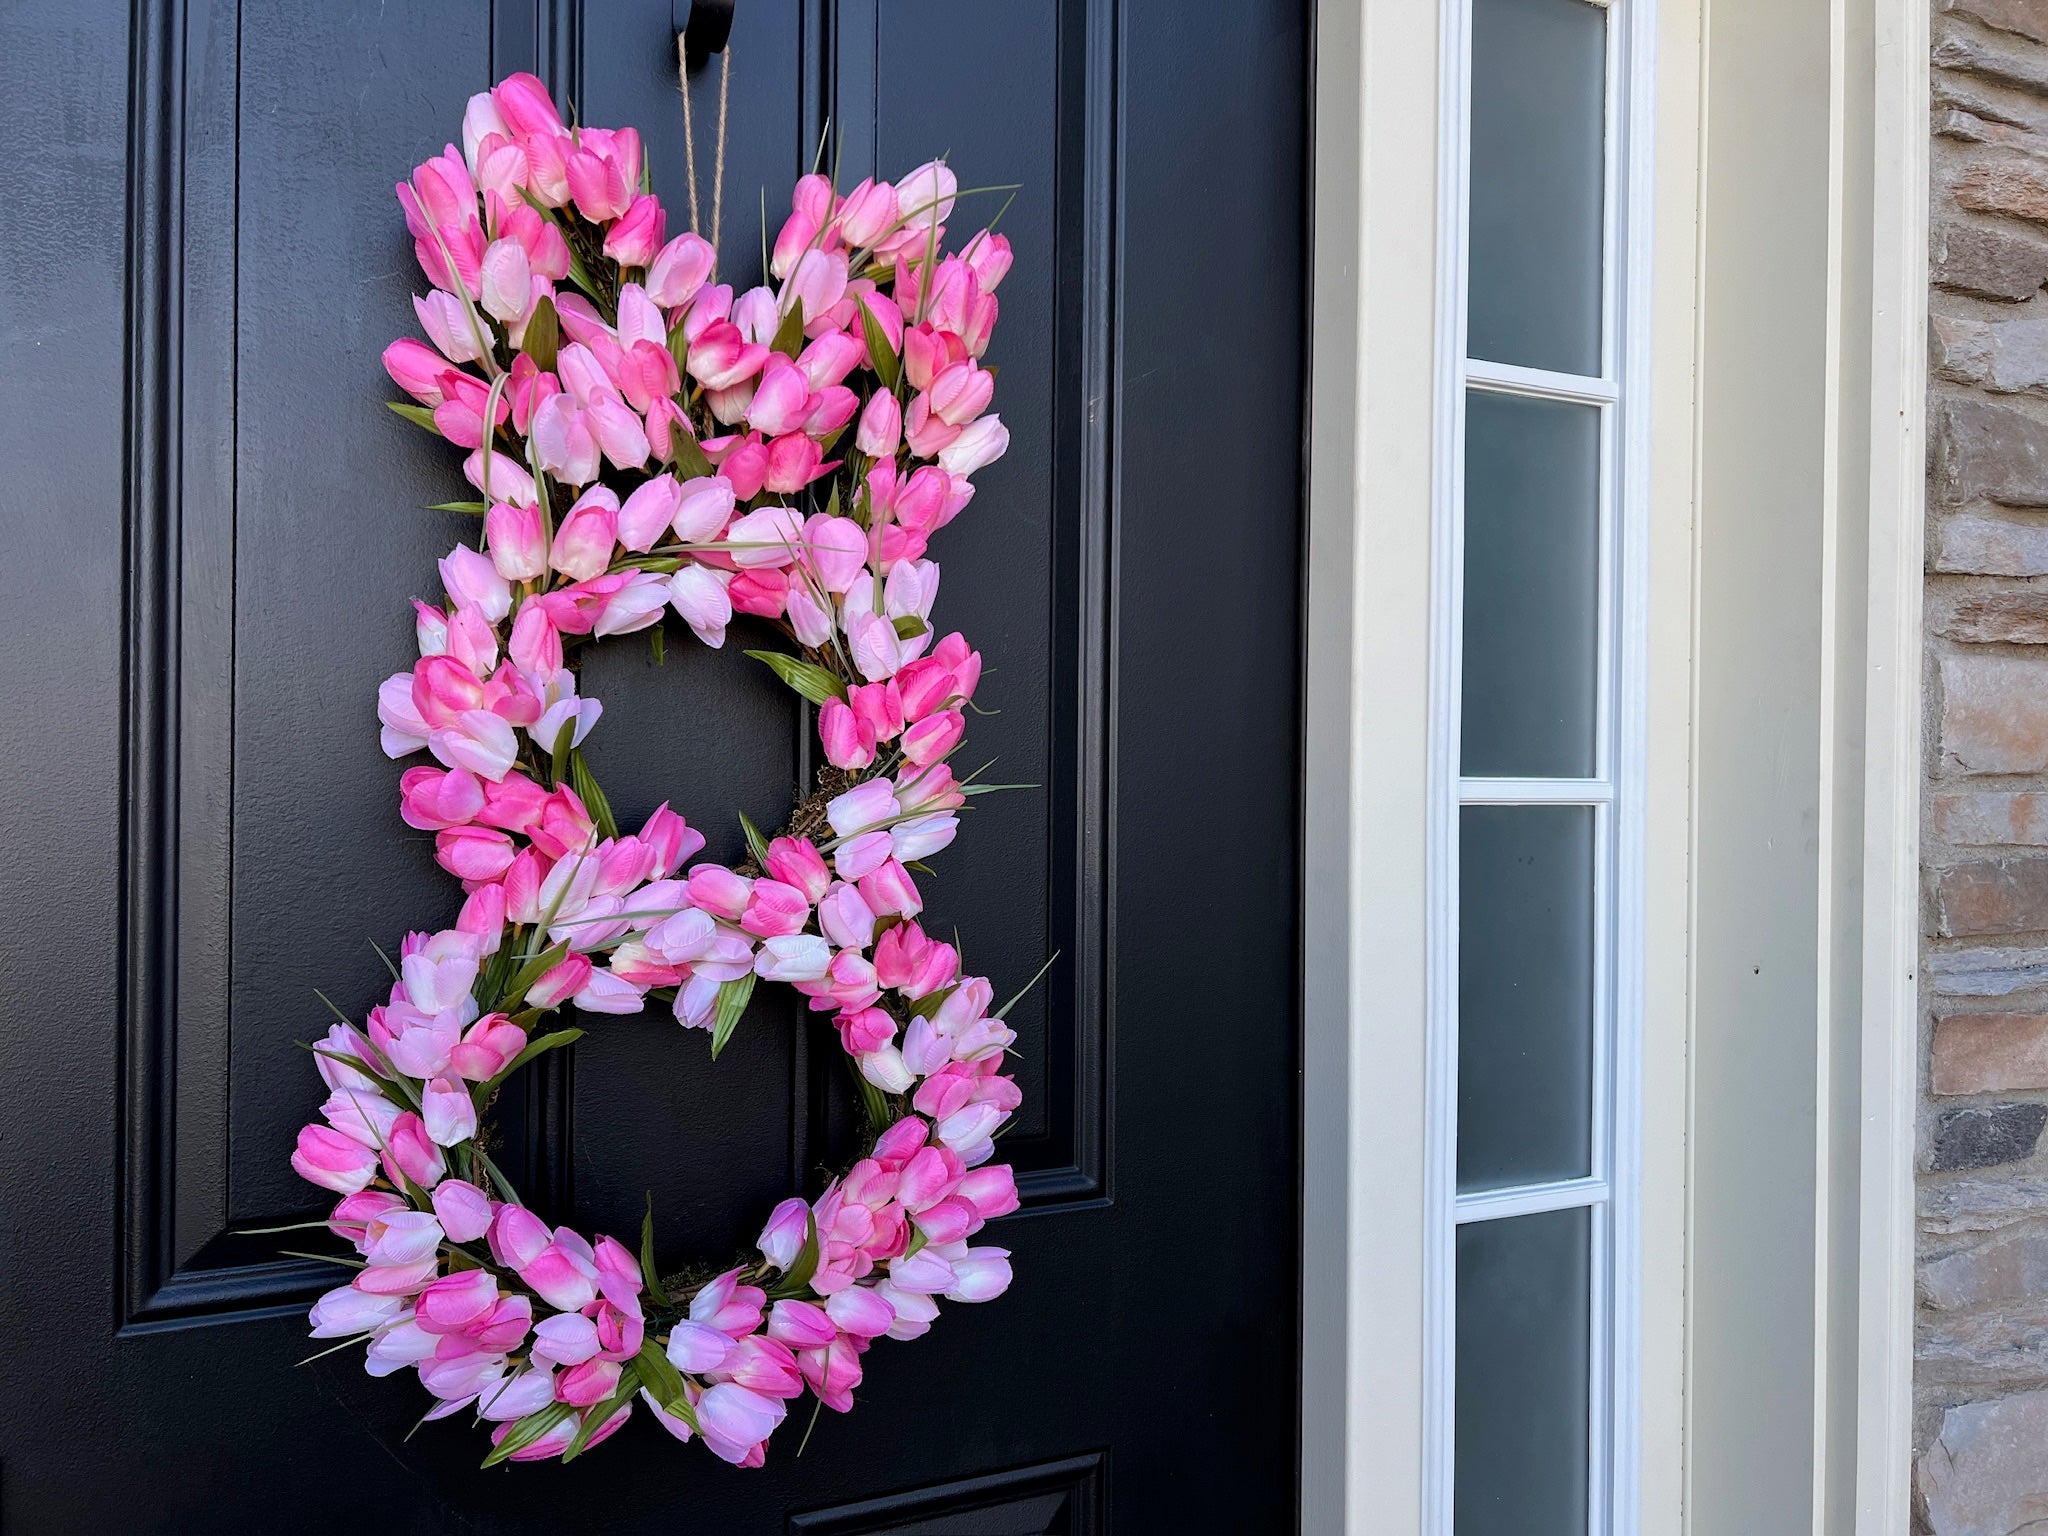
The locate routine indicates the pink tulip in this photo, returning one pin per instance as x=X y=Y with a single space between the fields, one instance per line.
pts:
x=449 y=1115
x=735 y=1420
x=567 y=1338
x=865 y=1031
x=763 y=1365
x=560 y=983
x=513 y=535
x=454 y=1302
x=720 y=357
x=795 y=861
x=470 y=577
x=988 y=258
x=783 y=1238
x=979 y=444
x=563 y=1274
x=584 y=538
x=908 y=962
x=833 y=1372
x=518 y=1236
x=671 y=839
x=981 y=1274
x=827 y=361
x=430 y=799
x=992 y=1191
x=781 y=400
x=591 y=1382
x=881 y=426
x=412 y=1154
x=416 y=368
x=333 y=1161
x=774 y=909
x=635 y=239
x=678 y=270
x=867 y=213
x=798 y=957
x=889 y=891
x=477 y=740
x=345 y=1312
x=364 y=1116
x=933 y=737
x=849 y=740
x=473 y=853
x=463 y=1210
x=859 y=1311
x=800 y=1325
x=524 y=105
x=487 y=1047
x=648 y=513
x=961 y=392
x=845 y=918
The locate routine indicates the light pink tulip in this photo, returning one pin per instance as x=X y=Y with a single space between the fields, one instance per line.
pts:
x=449 y=1115
x=463 y=1210
x=333 y=1161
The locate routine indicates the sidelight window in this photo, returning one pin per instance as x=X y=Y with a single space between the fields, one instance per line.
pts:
x=1538 y=771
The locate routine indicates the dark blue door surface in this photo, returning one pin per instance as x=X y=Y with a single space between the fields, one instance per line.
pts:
x=212 y=523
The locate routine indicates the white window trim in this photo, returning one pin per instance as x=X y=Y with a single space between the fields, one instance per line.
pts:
x=1611 y=1191
x=1367 y=723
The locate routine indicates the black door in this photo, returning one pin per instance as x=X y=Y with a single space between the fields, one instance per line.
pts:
x=213 y=526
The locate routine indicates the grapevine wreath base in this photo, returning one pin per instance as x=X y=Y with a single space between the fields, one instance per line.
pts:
x=641 y=440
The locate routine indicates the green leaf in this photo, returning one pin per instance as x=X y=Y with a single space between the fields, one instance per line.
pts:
x=656 y=640
x=873 y=1102
x=797 y=1278
x=1025 y=990
x=910 y=626
x=527 y=1430
x=808 y=679
x=690 y=460
x=543 y=335
x=888 y=366
x=472 y=508
x=558 y=760
x=585 y=784
x=725 y=1018
x=757 y=845
x=531 y=972
x=418 y=415
x=679 y=348
x=552 y=1041
x=648 y=1273
x=789 y=336
x=928 y=1006
x=662 y=1379
x=917 y=1240
x=594 y=1419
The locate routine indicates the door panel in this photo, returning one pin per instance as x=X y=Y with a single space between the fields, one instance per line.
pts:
x=213 y=837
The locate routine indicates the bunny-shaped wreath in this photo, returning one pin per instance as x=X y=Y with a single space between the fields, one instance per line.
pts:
x=640 y=439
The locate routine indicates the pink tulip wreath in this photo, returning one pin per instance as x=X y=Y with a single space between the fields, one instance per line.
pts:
x=640 y=439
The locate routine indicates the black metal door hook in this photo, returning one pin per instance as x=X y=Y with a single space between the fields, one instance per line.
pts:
x=704 y=24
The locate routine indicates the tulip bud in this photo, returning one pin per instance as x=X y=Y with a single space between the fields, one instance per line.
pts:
x=513 y=535
x=881 y=426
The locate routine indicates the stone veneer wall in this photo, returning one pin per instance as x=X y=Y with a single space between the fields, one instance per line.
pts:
x=1981 y=1368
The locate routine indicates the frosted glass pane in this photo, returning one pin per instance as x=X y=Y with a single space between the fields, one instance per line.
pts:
x=1532 y=586
x=1539 y=71
x=1525 y=994
x=1523 y=1327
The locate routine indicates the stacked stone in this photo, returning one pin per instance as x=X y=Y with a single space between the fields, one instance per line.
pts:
x=1981 y=1374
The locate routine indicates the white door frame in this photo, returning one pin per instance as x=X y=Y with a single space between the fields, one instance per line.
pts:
x=1367 y=789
